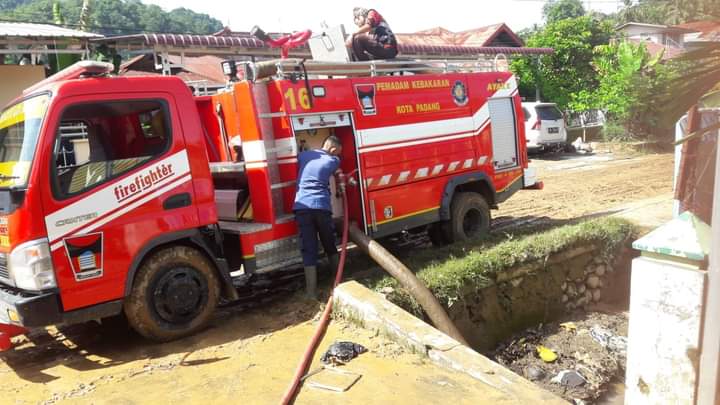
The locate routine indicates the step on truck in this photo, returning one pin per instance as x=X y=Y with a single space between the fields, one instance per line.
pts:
x=129 y=195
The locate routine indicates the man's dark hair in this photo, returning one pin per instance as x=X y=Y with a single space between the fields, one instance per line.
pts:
x=332 y=141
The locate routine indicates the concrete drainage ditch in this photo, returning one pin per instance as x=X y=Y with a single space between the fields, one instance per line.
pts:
x=557 y=291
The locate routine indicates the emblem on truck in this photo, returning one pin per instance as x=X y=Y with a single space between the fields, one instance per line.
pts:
x=85 y=254
x=366 y=97
x=459 y=93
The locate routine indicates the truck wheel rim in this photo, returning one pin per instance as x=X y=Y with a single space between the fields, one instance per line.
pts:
x=180 y=295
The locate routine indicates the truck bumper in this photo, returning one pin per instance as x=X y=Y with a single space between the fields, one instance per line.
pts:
x=19 y=312
x=29 y=310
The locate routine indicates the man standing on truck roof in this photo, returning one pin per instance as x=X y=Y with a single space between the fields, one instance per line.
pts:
x=374 y=39
x=312 y=208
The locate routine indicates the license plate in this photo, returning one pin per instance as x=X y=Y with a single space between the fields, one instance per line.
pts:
x=553 y=130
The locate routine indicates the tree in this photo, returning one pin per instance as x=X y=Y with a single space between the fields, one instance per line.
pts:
x=617 y=65
x=569 y=70
x=112 y=17
x=670 y=12
x=556 y=10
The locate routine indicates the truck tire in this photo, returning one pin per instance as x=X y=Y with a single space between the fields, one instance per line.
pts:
x=469 y=217
x=436 y=233
x=174 y=294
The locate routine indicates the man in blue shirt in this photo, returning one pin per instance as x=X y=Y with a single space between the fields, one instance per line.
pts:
x=312 y=208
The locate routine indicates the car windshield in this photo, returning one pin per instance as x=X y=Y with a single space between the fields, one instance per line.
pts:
x=19 y=130
x=548 y=113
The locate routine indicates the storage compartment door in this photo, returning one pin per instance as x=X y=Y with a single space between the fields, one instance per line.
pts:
x=504 y=133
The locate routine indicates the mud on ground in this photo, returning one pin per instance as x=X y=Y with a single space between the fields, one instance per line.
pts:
x=576 y=349
x=578 y=186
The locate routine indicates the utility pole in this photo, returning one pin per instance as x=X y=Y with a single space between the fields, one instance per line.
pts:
x=709 y=371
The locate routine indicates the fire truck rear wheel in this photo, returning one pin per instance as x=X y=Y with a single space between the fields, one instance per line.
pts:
x=469 y=217
x=174 y=294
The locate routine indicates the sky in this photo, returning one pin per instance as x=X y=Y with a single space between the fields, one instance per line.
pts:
x=402 y=15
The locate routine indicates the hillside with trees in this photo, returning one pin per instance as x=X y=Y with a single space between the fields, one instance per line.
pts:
x=110 y=17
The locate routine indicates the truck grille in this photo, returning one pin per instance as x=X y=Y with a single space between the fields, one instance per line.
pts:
x=4 y=273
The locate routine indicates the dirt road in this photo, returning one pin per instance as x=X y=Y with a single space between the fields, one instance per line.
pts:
x=580 y=186
x=246 y=357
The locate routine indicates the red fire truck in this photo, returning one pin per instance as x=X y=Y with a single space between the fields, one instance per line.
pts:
x=130 y=195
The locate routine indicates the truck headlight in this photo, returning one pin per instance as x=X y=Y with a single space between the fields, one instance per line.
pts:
x=30 y=266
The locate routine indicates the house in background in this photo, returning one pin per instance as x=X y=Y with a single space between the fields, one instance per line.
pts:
x=497 y=35
x=196 y=58
x=29 y=52
x=203 y=74
x=672 y=40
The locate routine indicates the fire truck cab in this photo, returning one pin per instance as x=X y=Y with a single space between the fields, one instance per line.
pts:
x=129 y=195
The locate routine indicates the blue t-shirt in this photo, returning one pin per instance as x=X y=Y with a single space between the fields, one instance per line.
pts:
x=313 y=186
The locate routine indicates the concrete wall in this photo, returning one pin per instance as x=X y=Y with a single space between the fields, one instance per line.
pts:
x=15 y=78
x=644 y=33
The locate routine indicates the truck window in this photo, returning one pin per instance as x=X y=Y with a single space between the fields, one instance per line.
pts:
x=101 y=141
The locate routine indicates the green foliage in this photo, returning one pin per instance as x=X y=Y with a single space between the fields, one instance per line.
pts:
x=556 y=10
x=569 y=70
x=450 y=279
x=669 y=12
x=616 y=131
x=616 y=65
x=112 y=17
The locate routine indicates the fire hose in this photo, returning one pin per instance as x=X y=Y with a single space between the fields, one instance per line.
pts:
x=285 y=43
x=389 y=263
x=325 y=317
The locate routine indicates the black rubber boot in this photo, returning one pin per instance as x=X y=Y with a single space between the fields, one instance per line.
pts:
x=333 y=262
x=311 y=282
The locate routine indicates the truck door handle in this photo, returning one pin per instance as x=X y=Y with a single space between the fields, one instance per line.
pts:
x=177 y=201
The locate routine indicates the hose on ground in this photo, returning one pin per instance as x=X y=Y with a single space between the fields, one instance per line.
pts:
x=325 y=317
x=407 y=278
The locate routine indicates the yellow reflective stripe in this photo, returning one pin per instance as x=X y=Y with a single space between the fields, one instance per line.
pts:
x=408 y=215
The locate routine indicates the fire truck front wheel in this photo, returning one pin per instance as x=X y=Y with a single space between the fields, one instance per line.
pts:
x=174 y=294
x=469 y=217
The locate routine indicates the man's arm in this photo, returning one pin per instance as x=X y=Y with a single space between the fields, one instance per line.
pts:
x=362 y=30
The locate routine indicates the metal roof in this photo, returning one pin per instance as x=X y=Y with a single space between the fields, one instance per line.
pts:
x=219 y=42
x=27 y=30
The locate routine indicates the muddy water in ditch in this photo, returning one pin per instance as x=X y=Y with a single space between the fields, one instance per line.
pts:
x=615 y=395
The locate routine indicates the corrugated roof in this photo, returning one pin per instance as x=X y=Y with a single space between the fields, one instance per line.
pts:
x=206 y=68
x=709 y=30
x=27 y=30
x=248 y=42
x=482 y=36
x=669 y=51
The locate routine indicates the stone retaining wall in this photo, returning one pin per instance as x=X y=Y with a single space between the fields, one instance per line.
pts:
x=539 y=292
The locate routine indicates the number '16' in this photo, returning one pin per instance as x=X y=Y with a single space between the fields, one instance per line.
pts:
x=301 y=98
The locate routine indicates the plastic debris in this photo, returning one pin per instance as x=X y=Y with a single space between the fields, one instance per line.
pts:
x=569 y=326
x=608 y=340
x=342 y=352
x=533 y=373
x=547 y=355
x=569 y=378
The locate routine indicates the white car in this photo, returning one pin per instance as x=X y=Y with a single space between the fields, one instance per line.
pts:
x=544 y=127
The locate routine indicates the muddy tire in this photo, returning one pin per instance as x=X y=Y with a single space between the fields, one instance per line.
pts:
x=174 y=294
x=436 y=233
x=469 y=218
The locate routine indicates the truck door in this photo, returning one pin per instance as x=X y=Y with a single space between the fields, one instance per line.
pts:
x=119 y=177
x=504 y=133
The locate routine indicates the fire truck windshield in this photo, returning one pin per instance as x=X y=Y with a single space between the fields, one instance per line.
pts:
x=19 y=130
